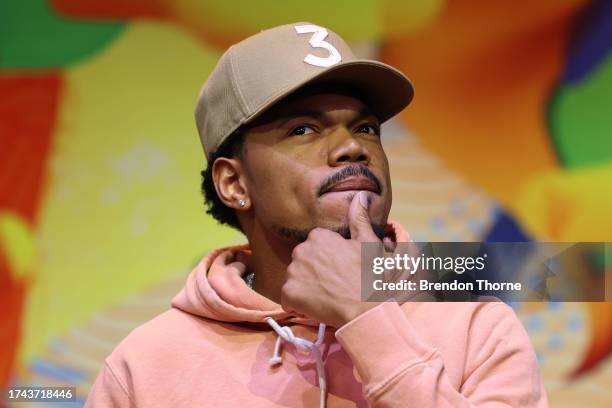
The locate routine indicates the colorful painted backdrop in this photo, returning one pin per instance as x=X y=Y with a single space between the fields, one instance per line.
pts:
x=509 y=138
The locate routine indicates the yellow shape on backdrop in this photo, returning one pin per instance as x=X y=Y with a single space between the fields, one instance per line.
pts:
x=123 y=209
x=571 y=205
x=17 y=242
x=356 y=20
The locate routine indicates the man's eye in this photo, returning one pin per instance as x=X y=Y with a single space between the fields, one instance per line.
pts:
x=302 y=130
x=371 y=129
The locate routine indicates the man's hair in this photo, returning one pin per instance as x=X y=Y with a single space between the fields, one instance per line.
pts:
x=231 y=147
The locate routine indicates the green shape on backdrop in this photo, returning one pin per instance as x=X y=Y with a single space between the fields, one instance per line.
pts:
x=580 y=119
x=32 y=35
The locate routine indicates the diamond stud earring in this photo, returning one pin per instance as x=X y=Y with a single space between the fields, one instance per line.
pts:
x=242 y=202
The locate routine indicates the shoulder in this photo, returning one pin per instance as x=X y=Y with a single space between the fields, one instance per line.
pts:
x=153 y=359
x=170 y=330
x=164 y=343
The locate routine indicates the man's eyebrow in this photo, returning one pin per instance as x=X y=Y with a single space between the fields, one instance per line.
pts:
x=321 y=115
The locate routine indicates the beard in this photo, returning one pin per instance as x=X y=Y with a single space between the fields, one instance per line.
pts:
x=300 y=235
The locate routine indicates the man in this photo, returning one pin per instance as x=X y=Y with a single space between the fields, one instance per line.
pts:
x=290 y=122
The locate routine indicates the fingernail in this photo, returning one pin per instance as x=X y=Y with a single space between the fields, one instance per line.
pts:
x=363 y=200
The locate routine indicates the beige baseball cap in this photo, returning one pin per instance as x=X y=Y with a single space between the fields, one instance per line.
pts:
x=254 y=74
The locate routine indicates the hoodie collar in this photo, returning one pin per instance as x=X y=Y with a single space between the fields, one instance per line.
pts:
x=215 y=288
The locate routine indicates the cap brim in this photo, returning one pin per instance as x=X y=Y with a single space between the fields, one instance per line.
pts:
x=387 y=90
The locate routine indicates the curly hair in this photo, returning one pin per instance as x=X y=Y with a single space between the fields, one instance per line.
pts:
x=231 y=147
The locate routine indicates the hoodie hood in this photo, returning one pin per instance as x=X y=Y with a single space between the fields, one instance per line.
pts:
x=216 y=290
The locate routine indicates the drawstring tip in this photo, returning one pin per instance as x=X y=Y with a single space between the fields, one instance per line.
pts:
x=274 y=361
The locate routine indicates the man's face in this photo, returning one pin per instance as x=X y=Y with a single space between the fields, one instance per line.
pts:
x=307 y=157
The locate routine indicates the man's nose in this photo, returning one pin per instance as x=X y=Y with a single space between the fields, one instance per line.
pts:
x=345 y=148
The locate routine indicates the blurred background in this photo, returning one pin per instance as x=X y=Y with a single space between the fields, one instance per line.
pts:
x=509 y=138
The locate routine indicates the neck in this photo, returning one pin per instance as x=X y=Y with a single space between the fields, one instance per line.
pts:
x=270 y=257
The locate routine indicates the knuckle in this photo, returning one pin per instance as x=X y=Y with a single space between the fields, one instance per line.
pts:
x=291 y=273
x=298 y=251
x=287 y=292
x=316 y=233
x=284 y=292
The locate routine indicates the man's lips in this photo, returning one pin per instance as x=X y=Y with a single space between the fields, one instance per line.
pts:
x=354 y=183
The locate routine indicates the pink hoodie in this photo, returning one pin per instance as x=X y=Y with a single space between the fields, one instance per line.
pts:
x=213 y=348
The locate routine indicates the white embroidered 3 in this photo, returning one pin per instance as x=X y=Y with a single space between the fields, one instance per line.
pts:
x=318 y=41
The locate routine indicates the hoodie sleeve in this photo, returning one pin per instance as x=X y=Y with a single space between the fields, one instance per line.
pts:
x=108 y=391
x=398 y=369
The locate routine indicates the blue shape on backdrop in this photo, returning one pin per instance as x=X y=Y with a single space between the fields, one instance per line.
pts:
x=591 y=41
x=505 y=229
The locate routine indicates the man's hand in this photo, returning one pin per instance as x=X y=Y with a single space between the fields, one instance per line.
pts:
x=324 y=278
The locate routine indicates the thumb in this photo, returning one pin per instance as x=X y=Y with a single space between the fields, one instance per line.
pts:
x=359 y=219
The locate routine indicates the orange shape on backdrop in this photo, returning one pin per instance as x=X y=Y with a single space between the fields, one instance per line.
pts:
x=28 y=111
x=483 y=72
x=600 y=346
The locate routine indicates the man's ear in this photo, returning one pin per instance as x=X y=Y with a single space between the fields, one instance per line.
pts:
x=230 y=183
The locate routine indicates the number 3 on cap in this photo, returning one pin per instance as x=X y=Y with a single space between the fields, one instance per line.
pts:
x=317 y=41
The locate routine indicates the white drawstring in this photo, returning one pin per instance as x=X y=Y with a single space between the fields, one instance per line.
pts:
x=285 y=333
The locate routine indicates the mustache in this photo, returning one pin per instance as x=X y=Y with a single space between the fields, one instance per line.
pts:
x=346 y=172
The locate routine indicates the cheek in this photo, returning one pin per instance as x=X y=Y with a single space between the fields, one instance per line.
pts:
x=279 y=186
x=388 y=195
x=380 y=208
